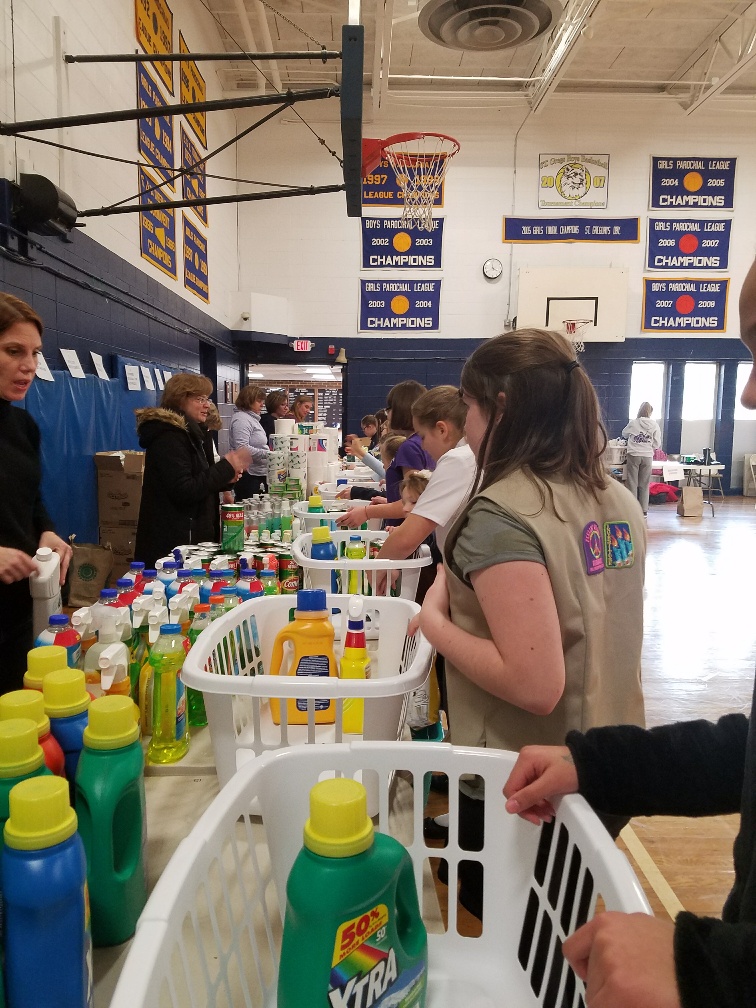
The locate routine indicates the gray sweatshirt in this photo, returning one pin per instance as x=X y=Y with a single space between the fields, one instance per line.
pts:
x=643 y=436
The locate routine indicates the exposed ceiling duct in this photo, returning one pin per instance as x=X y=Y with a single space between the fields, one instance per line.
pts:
x=470 y=25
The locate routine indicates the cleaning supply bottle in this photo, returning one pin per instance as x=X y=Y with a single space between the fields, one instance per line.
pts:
x=195 y=702
x=59 y=631
x=83 y=624
x=67 y=706
x=44 y=588
x=109 y=632
x=269 y=582
x=170 y=734
x=323 y=548
x=111 y=809
x=40 y=661
x=353 y=934
x=21 y=757
x=355 y=551
x=48 y=944
x=355 y=664
x=311 y=635
x=315 y=504
x=30 y=704
x=114 y=671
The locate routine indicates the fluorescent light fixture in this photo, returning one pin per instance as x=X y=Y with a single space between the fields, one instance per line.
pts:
x=255 y=374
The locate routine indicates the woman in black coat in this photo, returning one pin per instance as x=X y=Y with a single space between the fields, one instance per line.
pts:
x=180 y=489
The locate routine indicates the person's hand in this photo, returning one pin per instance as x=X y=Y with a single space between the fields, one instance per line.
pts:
x=240 y=459
x=354 y=446
x=378 y=500
x=625 y=961
x=59 y=546
x=344 y=494
x=435 y=609
x=353 y=518
x=227 y=496
x=541 y=774
x=15 y=565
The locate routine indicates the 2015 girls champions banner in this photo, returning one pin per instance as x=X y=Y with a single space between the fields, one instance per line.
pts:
x=571 y=229
x=387 y=244
x=684 y=305
x=675 y=243
x=399 y=305
x=692 y=183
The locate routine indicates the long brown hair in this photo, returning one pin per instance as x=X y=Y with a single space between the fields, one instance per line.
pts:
x=551 y=420
x=13 y=309
x=399 y=400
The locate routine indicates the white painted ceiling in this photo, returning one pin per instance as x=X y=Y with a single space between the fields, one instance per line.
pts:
x=692 y=52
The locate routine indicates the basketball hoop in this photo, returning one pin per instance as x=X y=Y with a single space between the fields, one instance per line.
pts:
x=572 y=327
x=419 y=161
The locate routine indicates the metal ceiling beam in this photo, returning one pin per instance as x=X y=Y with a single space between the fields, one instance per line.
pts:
x=558 y=50
x=729 y=55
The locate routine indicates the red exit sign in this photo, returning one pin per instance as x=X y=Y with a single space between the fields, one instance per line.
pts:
x=301 y=345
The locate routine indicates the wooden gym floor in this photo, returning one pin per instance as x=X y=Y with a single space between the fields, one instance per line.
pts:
x=699 y=658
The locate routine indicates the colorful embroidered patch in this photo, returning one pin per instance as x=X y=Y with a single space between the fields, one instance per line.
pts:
x=618 y=545
x=593 y=548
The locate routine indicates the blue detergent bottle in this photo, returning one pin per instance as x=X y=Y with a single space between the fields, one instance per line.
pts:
x=48 y=944
x=67 y=706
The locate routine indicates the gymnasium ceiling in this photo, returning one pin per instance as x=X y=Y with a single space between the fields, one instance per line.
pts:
x=688 y=52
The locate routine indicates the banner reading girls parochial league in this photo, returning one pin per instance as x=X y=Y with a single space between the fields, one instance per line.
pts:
x=195 y=261
x=692 y=183
x=154 y=135
x=157 y=227
x=194 y=179
x=684 y=305
x=678 y=244
x=389 y=244
x=576 y=181
x=399 y=305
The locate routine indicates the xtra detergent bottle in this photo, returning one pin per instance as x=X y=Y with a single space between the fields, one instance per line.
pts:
x=48 y=944
x=31 y=704
x=355 y=664
x=323 y=548
x=311 y=635
x=67 y=706
x=40 y=661
x=60 y=632
x=111 y=809
x=353 y=934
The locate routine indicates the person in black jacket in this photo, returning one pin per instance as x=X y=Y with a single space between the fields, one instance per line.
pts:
x=276 y=407
x=180 y=488
x=24 y=522
x=692 y=768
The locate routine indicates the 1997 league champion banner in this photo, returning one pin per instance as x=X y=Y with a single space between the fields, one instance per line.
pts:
x=675 y=243
x=692 y=183
x=573 y=180
x=399 y=305
x=684 y=305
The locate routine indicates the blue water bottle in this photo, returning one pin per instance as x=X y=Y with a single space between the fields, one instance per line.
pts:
x=67 y=706
x=48 y=945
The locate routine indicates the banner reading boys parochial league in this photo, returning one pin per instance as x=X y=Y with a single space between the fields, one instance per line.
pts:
x=194 y=179
x=195 y=261
x=157 y=227
x=684 y=305
x=388 y=244
x=573 y=180
x=678 y=244
x=692 y=183
x=155 y=135
x=399 y=305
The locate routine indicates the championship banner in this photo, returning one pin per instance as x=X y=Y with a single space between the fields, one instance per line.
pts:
x=196 y=278
x=571 y=229
x=155 y=136
x=397 y=305
x=154 y=32
x=157 y=228
x=388 y=244
x=382 y=188
x=192 y=88
x=193 y=182
x=692 y=183
x=573 y=180
x=674 y=243
x=684 y=305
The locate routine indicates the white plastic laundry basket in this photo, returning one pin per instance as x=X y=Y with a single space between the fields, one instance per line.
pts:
x=333 y=510
x=211 y=931
x=225 y=659
x=409 y=568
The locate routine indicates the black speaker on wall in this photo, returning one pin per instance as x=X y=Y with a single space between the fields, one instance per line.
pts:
x=42 y=208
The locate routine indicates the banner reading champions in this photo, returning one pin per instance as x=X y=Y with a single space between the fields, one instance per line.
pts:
x=684 y=304
x=388 y=244
x=397 y=305
x=692 y=183
x=678 y=244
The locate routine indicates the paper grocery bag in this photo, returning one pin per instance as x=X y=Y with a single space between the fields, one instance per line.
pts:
x=88 y=572
x=690 y=504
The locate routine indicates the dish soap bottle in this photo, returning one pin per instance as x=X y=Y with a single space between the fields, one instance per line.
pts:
x=355 y=664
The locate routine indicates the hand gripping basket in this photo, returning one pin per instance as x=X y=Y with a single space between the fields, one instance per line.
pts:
x=225 y=660
x=409 y=568
x=210 y=934
x=333 y=509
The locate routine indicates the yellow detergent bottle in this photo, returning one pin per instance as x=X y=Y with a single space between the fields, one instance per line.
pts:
x=311 y=635
x=355 y=664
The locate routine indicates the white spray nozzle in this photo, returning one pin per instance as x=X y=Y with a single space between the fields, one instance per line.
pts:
x=356 y=607
x=155 y=619
x=113 y=667
x=81 y=620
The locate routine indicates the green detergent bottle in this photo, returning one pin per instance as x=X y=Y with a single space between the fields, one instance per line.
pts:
x=353 y=934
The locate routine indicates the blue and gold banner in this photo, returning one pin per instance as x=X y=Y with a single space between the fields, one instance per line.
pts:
x=675 y=243
x=692 y=183
x=399 y=305
x=382 y=188
x=192 y=88
x=154 y=32
x=155 y=135
x=196 y=276
x=571 y=229
x=157 y=228
x=684 y=305
x=387 y=244
x=194 y=181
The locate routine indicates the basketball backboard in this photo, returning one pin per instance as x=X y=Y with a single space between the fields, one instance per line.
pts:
x=352 y=60
x=597 y=298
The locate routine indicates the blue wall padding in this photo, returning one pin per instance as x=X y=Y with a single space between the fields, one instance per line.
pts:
x=131 y=401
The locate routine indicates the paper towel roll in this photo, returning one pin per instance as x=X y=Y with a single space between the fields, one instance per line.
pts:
x=317 y=468
x=284 y=426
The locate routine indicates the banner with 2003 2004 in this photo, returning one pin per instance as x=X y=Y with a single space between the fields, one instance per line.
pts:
x=399 y=305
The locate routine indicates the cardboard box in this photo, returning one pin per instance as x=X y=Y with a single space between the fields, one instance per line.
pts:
x=690 y=504
x=121 y=540
x=119 y=487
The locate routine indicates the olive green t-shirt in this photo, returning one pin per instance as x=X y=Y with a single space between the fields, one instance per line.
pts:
x=488 y=537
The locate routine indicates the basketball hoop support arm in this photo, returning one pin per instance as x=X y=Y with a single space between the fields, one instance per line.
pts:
x=323 y=54
x=213 y=200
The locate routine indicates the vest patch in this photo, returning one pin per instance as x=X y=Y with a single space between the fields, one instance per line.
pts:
x=593 y=548
x=618 y=545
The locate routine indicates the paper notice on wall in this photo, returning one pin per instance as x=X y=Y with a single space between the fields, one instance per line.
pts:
x=133 y=381
x=167 y=375
x=147 y=375
x=159 y=378
x=73 y=363
x=43 y=371
x=99 y=366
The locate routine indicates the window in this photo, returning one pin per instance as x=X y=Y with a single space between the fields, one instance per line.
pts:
x=744 y=370
x=647 y=385
x=699 y=391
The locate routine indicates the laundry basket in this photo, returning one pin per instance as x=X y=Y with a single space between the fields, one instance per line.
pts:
x=211 y=931
x=226 y=659
x=409 y=568
x=333 y=509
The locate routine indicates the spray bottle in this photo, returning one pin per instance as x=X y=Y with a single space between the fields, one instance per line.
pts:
x=114 y=670
x=170 y=735
x=156 y=617
x=355 y=551
x=111 y=620
x=355 y=664
x=44 y=587
x=83 y=624
x=59 y=631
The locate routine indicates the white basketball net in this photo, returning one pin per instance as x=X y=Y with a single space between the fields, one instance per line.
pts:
x=572 y=327
x=420 y=166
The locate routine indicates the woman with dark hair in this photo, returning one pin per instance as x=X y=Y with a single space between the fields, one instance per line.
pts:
x=180 y=488
x=24 y=522
x=246 y=431
x=546 y=556
x=276 y=407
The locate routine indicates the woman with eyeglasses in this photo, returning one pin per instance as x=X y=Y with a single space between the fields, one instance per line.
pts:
x=246 y=430
x=180 y=488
